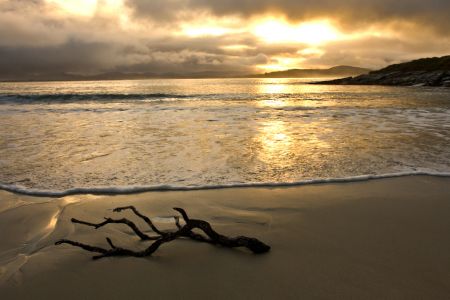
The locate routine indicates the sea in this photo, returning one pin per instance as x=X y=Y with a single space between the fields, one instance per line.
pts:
x=60 y=138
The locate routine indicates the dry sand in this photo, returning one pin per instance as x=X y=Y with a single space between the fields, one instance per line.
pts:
x=380 y=239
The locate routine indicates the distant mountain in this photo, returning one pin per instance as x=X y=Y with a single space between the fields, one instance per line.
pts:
x=79 y=77
x=433 y=71
x=115 y=76
x=338 y=71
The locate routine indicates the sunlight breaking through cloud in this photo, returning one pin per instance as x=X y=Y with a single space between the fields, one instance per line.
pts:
x=228 y=38
x=311 y=33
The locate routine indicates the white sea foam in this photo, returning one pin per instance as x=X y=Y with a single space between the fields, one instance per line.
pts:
x=124 y=190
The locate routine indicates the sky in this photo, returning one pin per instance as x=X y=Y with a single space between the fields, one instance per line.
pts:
x=232 y=37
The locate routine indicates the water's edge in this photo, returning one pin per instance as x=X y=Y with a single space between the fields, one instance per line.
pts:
x=126 y=190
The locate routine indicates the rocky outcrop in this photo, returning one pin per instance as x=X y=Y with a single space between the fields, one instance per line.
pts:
x=338 y=71
x=423 y=72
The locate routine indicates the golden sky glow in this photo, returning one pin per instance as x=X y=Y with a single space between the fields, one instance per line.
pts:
x=87 y=8
x=227 y=37
x=311 y=33
x=204 y=31
x=272 y=31
x=76 y=7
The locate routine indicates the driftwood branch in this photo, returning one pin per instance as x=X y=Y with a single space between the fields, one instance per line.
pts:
x=130 y=224
x=212 y=237
x=143 y=217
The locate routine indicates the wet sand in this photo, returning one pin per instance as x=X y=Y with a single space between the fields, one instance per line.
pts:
x=379 y=239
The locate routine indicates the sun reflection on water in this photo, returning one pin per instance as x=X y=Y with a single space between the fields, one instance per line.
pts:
x=265 y=130
x=284 y=146
x=273 y=88
x=276 y=143
x=272 y=103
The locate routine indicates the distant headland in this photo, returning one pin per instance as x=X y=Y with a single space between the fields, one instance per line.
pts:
x=433 y=71
x=337 y=71
x=334 y=72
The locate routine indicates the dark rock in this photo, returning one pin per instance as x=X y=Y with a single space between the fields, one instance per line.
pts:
x=422 y=72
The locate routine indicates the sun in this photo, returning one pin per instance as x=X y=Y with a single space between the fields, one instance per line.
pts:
x=311 y=33
x=317 y=33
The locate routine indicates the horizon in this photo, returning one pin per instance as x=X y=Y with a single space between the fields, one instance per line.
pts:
x=199 y=75
x=43 y=38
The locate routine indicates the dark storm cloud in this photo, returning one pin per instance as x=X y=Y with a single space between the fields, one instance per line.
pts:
x=377 y=52
x=97 y=58
x=158 y=56
x=34 y=42
x=37 y=39
x=71 y=56
x=433 y=13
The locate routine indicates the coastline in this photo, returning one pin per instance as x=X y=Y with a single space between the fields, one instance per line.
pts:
x=379 y=238
x=130 y=190
x=430 y=72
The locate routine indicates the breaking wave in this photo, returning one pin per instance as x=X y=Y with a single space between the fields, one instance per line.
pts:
x=124 y=190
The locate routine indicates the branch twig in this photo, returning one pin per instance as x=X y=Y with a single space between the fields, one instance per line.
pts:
x=213 y=237
x=130 y=224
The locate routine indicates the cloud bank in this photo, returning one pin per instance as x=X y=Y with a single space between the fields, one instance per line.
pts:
x=47 y=37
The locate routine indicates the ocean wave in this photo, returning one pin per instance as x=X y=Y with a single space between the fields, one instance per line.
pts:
x=124 y=190
x=20 y=98
x=108 y=97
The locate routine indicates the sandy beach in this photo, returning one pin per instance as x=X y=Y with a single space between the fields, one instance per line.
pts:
x=276 y=149
x=379 y=239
